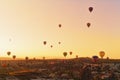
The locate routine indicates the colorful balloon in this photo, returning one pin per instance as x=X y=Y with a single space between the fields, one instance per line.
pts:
x=102 y=54
x=95 y=58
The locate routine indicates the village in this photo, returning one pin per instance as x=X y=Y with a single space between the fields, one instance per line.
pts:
x=60 y=69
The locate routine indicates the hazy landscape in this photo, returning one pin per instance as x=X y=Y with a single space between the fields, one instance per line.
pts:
x=59 y=39
x=60 y=69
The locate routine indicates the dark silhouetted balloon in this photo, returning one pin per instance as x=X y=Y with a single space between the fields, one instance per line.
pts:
x=90 y=9
x=44 y=42
x=59 y=42
x=107 y=58
x=8 y=53
x=14 y=56
x=60 y=25
x=95 y=58
x=34 y=58
x=102 y=54
x=76 y=56
x=51 y=46
x=88 y=25
x=26 y=58
x=43 y=58
x=65 y=54
x=70 y=52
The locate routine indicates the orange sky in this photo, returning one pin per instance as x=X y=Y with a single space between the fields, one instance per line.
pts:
x=29 y=22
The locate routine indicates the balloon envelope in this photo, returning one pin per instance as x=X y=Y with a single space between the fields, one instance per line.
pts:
x=88 y=25
x=59 y=42
x=60 y=25
x=26 y=58
x=95 y=58
x=76 y=56
x=14 y=56
x=34 y=58
x=102 y=54
x=90 y=9
x=65 y=54
x=44 y=42
x=51 y=46
x=70 y=53
x=43 y=58
x=8 y=53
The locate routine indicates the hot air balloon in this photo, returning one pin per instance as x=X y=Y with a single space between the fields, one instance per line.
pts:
x=107 y=58
x=90 y=9
x=59 y=42
x=76 y=56
x=43 y=58
x=65 y=54
x=14 y=56
x=44 y=42
x=95 y=58
x=102 y=54
x=70 y=52
x=51 y=46
x=60 y=25
x=88 y=25
x=8 y=53
x=34 y=58
x=26 y=58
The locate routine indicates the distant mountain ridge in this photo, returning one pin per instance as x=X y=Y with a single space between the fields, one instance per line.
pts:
x=8 y=58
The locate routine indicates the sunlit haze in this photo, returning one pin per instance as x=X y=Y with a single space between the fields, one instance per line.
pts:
x=25 y=24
